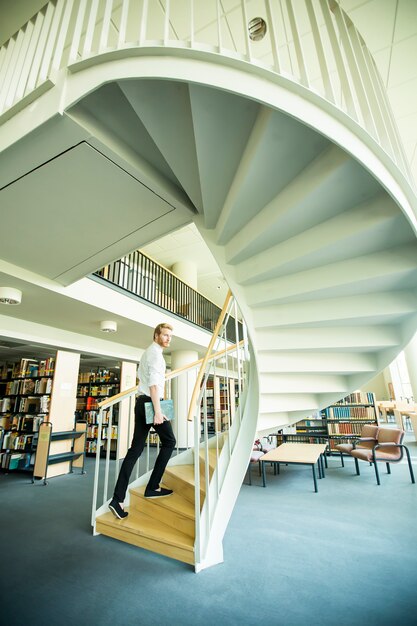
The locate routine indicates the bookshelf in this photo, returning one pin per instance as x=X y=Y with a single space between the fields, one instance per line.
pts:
x=25 y=392
x=345 y=419
x=93 y=387
x=340 y=422
x=34 y=391
x=221 y=402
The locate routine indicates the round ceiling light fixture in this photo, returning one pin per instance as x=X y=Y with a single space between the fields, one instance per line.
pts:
x=257 y=29
x=108 y=326
x=9 y=295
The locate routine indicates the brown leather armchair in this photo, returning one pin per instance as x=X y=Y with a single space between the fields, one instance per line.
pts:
x=389 y=449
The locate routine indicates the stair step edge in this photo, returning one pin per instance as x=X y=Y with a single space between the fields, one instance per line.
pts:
x=145 y=526
x=175 y=503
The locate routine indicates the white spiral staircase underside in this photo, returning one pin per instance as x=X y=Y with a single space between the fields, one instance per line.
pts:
x=320 y=257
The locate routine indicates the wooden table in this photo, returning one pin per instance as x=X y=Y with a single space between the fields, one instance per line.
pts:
x=297 y=454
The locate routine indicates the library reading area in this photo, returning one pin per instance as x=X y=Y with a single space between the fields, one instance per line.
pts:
x=32 y=393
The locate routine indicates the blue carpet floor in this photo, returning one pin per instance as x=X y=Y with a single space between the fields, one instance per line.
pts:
x=346 y=555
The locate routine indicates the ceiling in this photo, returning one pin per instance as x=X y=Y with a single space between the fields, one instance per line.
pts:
x=389 y=28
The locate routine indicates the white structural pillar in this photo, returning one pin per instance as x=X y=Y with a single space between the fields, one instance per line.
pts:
x=410 y=354
x=186 y=271
x=182 y=388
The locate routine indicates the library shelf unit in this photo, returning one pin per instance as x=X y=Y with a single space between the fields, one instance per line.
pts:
x=32 y=392
x=25 y=391
x=221 y=402
x=345 y=419
x=94 y=387
x=340 y=422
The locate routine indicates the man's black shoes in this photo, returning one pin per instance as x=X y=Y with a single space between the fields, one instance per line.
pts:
x=158 y=493
x=117 y=510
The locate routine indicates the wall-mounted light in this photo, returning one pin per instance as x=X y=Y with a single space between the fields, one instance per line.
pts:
x=8 y=295
x=257 y=29
x=108 y=326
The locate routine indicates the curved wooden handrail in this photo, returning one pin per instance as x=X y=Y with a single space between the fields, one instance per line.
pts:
x=205 y=360
x=175 y=373
x=118 y=396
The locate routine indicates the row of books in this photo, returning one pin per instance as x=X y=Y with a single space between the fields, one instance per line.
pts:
x=106 y=432
x=14 y=460
x=97 y=390
x=21 y=422
x=345 y=429
x=12 y=440
x=26 y=404
x=26 y=386
x=91 y=446
x=100 y=376
x=358 y=397
x=91 y=417
x=350 y=412
x=28 y=368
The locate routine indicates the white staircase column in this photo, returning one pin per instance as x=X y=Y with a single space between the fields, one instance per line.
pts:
x=186 y=271
x=182 y=390
x=410 y=353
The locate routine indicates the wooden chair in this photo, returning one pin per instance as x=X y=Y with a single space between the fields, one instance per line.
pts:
x=389 y=449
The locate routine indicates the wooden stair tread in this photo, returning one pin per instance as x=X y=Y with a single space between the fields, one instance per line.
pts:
x=184 y=472
x=176 y=502
x=140 y=524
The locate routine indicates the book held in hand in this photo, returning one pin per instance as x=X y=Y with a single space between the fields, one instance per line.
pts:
x=167 y=409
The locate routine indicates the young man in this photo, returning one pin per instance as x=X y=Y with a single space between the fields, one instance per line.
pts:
x=151 y=389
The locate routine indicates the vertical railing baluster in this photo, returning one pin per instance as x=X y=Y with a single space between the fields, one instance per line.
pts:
x=24 y=77
x=91 y=25
x=345 y=40
x=123 y=24
x=97 y=467
x=11 y=93
x=321 y=55
x=219 y=26
x=345 y=82
x=63 y=35
x=273 y=35
x=191 y=23
x=74 y=52
x=166 y=22
x=248 y=51
x=36 y=65
x=107 y=464
x=143 y=23
x=105 y=28
x=388 y=117
x=295 y=32
x=51 y=41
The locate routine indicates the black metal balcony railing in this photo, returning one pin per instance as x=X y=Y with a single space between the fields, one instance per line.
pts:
x=139 y=275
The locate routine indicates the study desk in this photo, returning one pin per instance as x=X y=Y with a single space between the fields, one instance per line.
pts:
x=297 y=454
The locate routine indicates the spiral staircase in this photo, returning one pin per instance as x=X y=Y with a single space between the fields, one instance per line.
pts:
x=311 y=222
x=320 y=257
